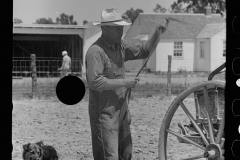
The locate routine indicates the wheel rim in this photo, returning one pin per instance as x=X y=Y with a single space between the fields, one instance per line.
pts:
x=209 y=140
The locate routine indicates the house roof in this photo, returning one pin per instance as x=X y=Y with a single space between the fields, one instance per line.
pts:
x=176 y=30
x=125 y=29
x=92 y=30
x=211 y=29
x=141 y=37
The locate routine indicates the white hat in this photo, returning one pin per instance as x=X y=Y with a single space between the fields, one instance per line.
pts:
x=64 y=53
x=111 y=17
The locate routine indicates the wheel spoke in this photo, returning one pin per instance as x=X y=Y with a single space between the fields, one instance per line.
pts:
x=209 y=115
x=193 y=157
x=220 y=130
x=186 y=139
x=194 y=122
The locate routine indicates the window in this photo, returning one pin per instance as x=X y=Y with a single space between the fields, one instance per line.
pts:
x=224 y=48
x=202 y=49
x=178 y=49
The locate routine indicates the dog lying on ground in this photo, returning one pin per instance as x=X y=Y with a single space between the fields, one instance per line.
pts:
x=39 y=151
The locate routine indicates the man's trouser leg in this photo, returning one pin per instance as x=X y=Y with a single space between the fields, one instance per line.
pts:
x=104 y=127
x=64 y=72
x=111 y=136
x=125 y=139
x=104 y=142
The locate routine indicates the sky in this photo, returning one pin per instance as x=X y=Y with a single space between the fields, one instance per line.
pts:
x=30 y=10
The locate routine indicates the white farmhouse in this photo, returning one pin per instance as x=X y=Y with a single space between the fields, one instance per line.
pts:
x=198 y=45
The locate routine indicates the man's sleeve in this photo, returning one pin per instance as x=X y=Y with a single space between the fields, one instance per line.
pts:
x=135 y=50
x=94 y=71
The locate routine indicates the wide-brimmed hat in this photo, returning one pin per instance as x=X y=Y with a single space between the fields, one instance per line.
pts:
x=64 y=53
x=111 y=17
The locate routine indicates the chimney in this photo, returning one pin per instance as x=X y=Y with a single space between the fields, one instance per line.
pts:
x=208 y=10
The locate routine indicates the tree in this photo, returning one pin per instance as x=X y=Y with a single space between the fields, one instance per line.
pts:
x=159 y=9
x=85 y=22
x=17 y=21
x=198 y=6
x=177 y=8
x=131 y=14
x=44 y=21
x=65 y=19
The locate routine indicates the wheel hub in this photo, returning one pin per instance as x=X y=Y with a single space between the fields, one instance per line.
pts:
x=213 y=152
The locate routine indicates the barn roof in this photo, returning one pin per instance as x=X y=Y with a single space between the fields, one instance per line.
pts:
x=176 y=30
x=211 y=29
x=49 y=29
x=57 y=26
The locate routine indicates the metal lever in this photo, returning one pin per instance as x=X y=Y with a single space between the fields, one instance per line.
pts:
x=129 y=89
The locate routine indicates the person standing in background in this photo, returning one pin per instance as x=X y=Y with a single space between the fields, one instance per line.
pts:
x=66 y=65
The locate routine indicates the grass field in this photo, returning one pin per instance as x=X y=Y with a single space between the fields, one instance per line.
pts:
x=150 y=84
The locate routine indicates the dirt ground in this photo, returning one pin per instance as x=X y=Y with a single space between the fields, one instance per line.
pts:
x=67 y=128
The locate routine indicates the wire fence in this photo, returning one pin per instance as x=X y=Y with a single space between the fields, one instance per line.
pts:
x=47 y=75
x=47 y=78
x=152 y=84
x=149 y=85
x=46 y=67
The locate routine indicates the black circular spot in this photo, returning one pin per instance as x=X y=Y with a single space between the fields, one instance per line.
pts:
x=235 y=66
x=235 y=107
x=70 y=90
x=235 y=148
x=236 y=24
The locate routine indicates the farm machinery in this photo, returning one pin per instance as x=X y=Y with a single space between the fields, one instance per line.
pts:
x=204 y=132
x=203 y=105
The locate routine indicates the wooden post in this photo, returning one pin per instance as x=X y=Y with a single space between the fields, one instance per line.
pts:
x=169 y=76
x=34 y=75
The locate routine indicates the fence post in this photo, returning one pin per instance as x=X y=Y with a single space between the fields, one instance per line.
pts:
x=34 y=75
x=169 y=76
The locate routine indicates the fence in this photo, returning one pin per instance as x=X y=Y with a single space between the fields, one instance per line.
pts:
x=152 y=84
x=46 y=74
x=46 y=66
x=48 y=77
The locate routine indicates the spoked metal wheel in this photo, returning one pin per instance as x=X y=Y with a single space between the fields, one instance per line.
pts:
x=193 y=126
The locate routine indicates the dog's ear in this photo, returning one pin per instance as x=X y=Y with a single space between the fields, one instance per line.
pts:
x=26 y=146
x=40 y=143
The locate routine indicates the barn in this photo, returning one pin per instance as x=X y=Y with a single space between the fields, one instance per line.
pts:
x=47 y=42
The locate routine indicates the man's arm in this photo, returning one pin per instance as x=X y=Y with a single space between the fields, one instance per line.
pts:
x=95 y=78
x=142 y=50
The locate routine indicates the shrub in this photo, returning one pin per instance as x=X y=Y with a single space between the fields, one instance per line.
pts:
x=182 y=70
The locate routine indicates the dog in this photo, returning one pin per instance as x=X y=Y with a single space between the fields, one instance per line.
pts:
x=39 y=151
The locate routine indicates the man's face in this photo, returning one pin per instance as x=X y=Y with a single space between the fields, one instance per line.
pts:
x=114 y=33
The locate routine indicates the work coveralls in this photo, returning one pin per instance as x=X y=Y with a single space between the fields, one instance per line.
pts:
x=109 y=115
x=66 y=68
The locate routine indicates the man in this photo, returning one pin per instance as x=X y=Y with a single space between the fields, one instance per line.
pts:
x=108 y=110
x=66 y=64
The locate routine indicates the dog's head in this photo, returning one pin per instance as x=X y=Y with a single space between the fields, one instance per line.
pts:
x=32 y=151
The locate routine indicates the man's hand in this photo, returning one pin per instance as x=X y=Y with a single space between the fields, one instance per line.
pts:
x=162 y=28
x=59 y=69
x=131 y=82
